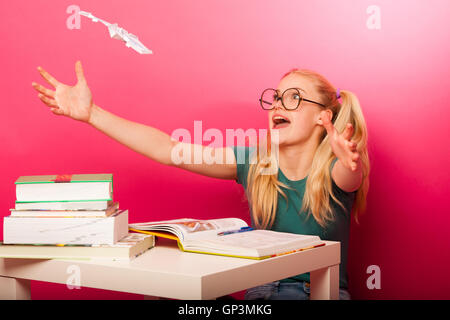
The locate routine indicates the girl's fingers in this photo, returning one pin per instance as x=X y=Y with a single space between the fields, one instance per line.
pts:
x=49 y=102
x=351 y=145
x=57 y=111
x=326 y=120
x=43 y=90
x=354 y=161
x=47 y=77
x=355 y=156
x=79 y=71
x=348 y=131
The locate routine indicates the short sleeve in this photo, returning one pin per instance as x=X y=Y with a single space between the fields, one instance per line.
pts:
x=333 y=163
x=242 y=155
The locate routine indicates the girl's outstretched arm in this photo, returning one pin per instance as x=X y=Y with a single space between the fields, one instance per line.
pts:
x=76 y=102
x=159 y=146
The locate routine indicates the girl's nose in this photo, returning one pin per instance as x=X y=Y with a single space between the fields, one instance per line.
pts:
x=278 y=103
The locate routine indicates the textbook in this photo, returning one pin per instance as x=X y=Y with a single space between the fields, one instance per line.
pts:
x=64 y=205
x=69 y=187
x=65 y=230
x=227 y=237
x=127 y=248
x=65 y=213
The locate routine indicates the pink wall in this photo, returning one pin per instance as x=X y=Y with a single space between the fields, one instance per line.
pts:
x=211 y=61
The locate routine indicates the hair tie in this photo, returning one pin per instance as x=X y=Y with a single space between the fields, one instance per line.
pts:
x=338 y=93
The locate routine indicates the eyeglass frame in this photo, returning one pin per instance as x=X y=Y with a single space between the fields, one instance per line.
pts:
x=281 y=98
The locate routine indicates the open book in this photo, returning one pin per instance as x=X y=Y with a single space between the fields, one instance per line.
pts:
x=228 y=237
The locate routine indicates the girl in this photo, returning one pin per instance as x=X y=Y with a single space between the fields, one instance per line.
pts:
x=321 y=162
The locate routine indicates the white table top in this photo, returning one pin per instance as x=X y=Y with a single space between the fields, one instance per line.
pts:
x=166 y=271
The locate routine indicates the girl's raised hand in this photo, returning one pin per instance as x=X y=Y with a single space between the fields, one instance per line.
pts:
x=71 y=101
x=343 y=148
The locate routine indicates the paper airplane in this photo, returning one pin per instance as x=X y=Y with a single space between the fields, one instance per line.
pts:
x=116 y=32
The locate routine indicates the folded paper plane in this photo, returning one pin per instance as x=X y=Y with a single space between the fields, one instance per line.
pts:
x=116 y=32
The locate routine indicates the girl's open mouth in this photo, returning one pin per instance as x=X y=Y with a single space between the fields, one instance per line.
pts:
x=280 y=122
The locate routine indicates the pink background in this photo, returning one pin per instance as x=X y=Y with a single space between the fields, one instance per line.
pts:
x=211 y=61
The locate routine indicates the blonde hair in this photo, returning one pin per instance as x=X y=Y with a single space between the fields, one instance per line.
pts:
x=263 y=187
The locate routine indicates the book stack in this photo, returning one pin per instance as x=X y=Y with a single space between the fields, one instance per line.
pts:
x=60 y=212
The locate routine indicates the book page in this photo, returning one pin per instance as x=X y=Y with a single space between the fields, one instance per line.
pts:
x=216 y=226
x=258 y=239
x=253 y=243
x=192 y=228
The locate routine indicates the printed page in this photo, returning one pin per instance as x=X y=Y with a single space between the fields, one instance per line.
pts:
x=255 y=243
x=211 y=228
x=261 y=239
x=192 y=228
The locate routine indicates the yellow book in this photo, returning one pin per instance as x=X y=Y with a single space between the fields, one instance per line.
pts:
x=227 y=237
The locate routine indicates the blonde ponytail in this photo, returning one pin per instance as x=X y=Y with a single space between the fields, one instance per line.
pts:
x=316 y=200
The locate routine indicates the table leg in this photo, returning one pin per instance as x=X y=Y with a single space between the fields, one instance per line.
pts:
x=14 y=289
x=325 y=283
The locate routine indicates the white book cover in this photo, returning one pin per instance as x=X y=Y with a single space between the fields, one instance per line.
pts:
x=77 y=230
x=66 y=213
x=64 y=205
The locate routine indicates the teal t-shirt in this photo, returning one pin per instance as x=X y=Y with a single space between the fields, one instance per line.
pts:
x=289 y=218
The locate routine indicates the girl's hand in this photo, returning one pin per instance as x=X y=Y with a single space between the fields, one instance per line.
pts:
x=71 y=101
x=343 y=148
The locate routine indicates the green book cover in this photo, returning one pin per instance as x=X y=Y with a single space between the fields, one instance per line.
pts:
x=65 y=178
x=68 y=178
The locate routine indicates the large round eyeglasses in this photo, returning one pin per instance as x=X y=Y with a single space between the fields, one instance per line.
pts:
x=290 y=99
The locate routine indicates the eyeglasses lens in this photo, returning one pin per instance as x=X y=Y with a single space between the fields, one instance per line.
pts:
x=291 y=99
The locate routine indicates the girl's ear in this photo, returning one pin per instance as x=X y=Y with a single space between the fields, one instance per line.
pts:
x=324 y=113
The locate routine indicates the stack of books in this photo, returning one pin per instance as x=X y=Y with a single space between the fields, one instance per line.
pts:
x=69 y=216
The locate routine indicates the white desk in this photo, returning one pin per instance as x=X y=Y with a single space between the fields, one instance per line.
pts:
x=166 y=271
